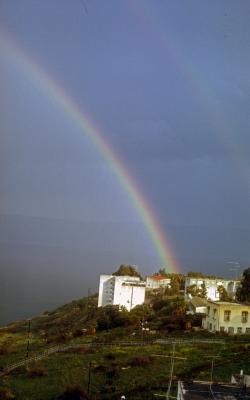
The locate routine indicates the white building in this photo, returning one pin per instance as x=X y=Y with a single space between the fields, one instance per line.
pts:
x=224 y=316
x=212 y=286
x=157 y=281
x=127 y=291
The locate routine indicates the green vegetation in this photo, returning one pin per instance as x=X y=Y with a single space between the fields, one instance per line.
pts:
x=175 y=278
x=243 y=292
x=192 y=274
x=223 y=294
x=74 y=393
x=194 y=290
x=136 y=371
x=127 y=270
x=136 y=365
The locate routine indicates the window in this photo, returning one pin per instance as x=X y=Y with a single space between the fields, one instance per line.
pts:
x=231 y=330
x=222 y=329
x=227 y=314
x=239 y=330
x=248 y=330
x=244 y=316
x=214 y=313
x=210 y=327
x=208 y=310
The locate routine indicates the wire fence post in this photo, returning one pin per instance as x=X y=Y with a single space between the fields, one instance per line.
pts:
x=171 y=373
x=89 y=378
x=28 y=340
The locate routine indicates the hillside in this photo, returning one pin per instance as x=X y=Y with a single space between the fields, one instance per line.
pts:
x=137 y=364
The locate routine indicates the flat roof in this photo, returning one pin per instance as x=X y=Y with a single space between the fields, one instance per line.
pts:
x=158 y=277
x=198 y=390
x=212 y=279
x=228 y=303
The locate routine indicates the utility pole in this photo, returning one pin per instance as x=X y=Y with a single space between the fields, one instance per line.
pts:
x=88 y=302
x=89 y=378
x=142 y=323
x=212 y=373
x=171 y=373
x=172 y=357
x=28 y=340
x=131 y=299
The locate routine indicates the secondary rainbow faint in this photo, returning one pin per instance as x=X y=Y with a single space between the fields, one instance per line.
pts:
x=52 y=89
x=227 y=133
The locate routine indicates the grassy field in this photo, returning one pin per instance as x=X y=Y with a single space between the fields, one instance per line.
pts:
x=137 y=371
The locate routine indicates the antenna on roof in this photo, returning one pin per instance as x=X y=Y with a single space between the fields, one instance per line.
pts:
x=235 y=266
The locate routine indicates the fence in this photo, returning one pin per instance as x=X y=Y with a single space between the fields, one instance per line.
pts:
x=57 y=349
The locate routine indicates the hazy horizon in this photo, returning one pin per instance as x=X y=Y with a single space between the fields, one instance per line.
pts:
x=47 y=267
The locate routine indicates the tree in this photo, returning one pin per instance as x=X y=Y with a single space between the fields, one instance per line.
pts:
x=175 y=286
x=202 y=292
x=193 y=274
x=243 y=292
x=192 y=289
x=163 y=272
x=111 y=317
x=127 y=270
x=180 y=278
x=223 y=294
x=139 y=313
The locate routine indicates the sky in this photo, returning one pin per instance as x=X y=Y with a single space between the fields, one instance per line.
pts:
x=168 y=86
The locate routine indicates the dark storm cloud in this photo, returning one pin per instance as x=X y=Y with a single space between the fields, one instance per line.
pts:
x=168 y=85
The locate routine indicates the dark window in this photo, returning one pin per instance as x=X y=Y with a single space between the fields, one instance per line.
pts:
x=227 y=314
x=244 y=316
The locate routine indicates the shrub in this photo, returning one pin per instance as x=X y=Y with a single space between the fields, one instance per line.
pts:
x=112 y=373
x=100 y=368
x=74 y=393
x=110 y=317
x=80 y=350
x=140 y=361
x=36 y=371
x=77 y=333
x=7 y=347
x=6 y=394
x=110 y=356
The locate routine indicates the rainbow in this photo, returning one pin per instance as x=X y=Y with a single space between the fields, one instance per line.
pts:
x=70 y=107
